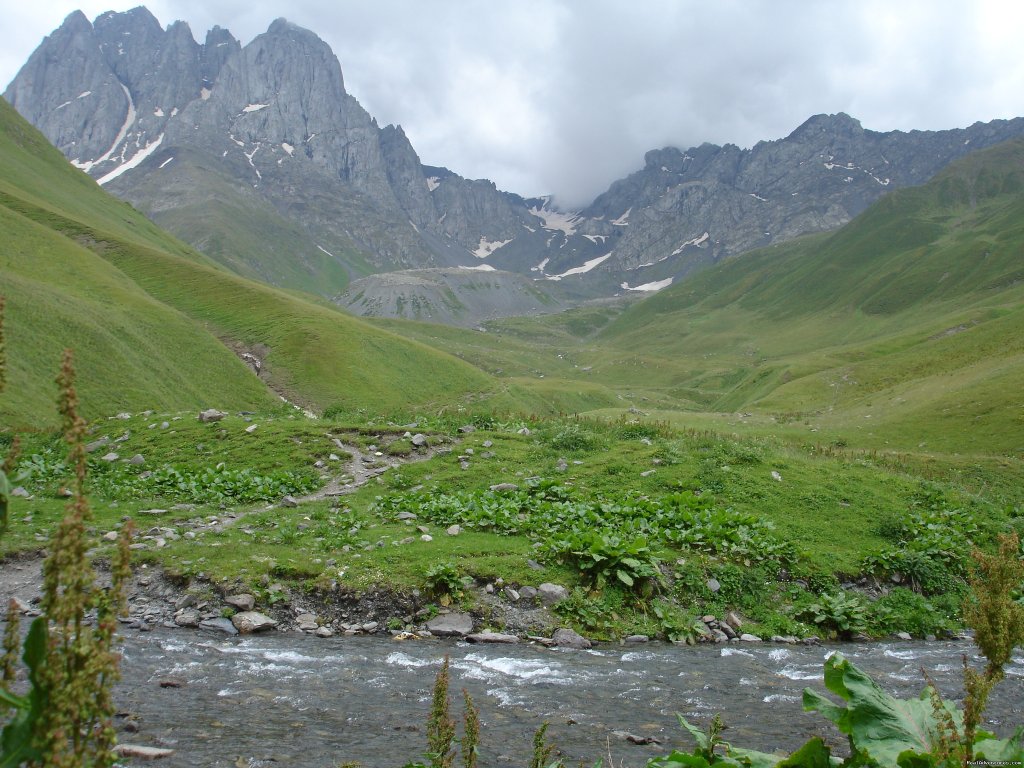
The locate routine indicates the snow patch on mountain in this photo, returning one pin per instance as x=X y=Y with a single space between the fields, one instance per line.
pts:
x=487 y=247
x=587 y=266
x=255 y=107
x=696 y=241
x=655 y=286
x=480 y=268
x=433 y=183
x=556 y=221
x=129 y=121
x=623 y=220
x=135 y=161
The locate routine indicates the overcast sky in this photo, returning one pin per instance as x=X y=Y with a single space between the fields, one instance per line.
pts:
x=565 y=96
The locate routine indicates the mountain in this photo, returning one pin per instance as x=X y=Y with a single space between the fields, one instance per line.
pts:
x=259 y=157
x=156 y=325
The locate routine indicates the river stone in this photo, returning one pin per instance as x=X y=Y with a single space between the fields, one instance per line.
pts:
x=307 y=622
x=210 y=415
x=719 y=636
x=904 y=636
x=550 y=594
x=567 y=638
x=748 y=638
x=451 y=625
x=187 y=617
x=528 y=593
x=637 y=639
x=219 y=625
x=511 y=594
x=242 y=602
x=733 y=620
x=492 y=637
x=324 y=632
x=252 y=621
x=145 y=753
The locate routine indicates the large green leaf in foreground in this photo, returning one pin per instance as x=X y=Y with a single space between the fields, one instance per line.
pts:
x=894 y=732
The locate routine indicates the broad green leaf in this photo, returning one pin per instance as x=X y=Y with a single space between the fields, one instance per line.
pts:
x=624 y=577
x=877 y=723
x=813 y=754
x=1001 y=750
x=679 y=760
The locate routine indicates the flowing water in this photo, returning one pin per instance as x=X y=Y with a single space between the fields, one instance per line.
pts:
x=301 y=701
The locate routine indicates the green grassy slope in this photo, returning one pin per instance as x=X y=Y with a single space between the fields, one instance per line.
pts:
x=85 y=270
x=912 y=317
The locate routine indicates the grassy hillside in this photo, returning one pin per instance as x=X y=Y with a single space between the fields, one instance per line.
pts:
x=155 y=323
x=906 y=326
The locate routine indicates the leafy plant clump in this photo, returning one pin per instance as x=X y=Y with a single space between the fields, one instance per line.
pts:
x=210 y=485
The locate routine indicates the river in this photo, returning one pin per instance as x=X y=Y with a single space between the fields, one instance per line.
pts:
x=294 y=700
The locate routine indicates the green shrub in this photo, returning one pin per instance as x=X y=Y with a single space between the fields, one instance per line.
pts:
x=903 y=610
x=839 y=615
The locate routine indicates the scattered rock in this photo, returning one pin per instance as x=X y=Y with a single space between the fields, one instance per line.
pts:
x=567 y=638
x=143 y=753
x=523 y=431
x=419 y=440
x=252 y=621
x=289 y=501
x=748 y=638
x=21 y=493
x=90 y=447
x=733 y=620
x=451 y=625
x=219 y=625
x=550 y=594
x=110 y=456
x=426 y=537
x=123 y=416
x=324 y=632
x=647 y=473
x=714 y=585
x=307 y=622
x=505 y=487
x=776 y=476
x=637 y=639
x=492 y=637
x=251 y=428
x=137 y=460
x=467 y=428
x=406 y=516
x=210 y=415
x=904 y=636
x=187 y=617
x=632 y=738
x=454 y=530
x=512 y=594
x=528 y=593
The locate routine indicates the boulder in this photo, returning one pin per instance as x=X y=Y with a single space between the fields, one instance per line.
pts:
x=419 y=440
x=110 y=456
x=550 y=594
x=144 y=753
x=492 y=637
x=528 y=594
x=748 y=638
x=453 y=530
x=451 y=625
x=187 y=617
x=637 y=639
x=567 y=638
x=210 y=415
x=242 y=602
x=90 y=447
x=504 y=487
x=289 y=501
x=307 y=622
x=219 y=625
x=137 y=460
x=252 y=621
x=733 y=620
